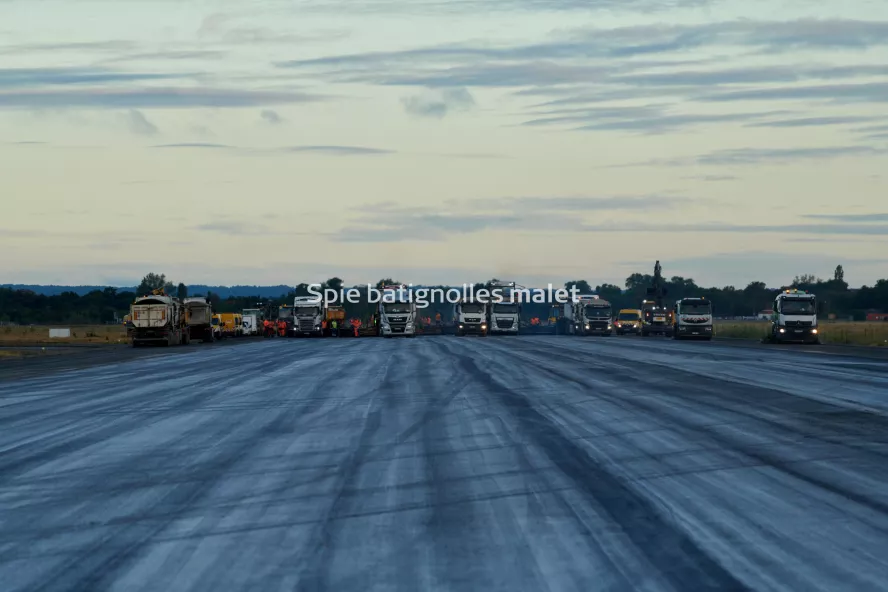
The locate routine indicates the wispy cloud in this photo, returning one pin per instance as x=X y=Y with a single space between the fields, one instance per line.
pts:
x=25 y=77
x=270 y=116
x=337 y=150
x=194 y=145
x=750 y=156
x=870 y=217
x=139 y=124
x=157 y=98
x=439 y=103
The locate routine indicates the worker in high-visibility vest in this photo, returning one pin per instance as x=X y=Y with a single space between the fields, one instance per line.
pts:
x=282 y=328
x=356 y=325
x=335 y=328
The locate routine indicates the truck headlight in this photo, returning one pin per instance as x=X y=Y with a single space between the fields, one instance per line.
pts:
x=782 y=330
x=483 y=325
x=814 y=331
x=587 y=326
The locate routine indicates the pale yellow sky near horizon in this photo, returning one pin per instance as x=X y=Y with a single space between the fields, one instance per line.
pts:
x=437 y=142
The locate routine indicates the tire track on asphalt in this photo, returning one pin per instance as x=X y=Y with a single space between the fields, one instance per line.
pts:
x=669 y=549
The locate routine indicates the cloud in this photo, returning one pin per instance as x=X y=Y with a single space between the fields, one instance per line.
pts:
x=338 y=150
x=871 y=217
x=170 y=55
x=392 y=222
x=439 y=103
x=25 y=143
x=25 y=77
x=194 y=145
x=270 y=116
x=813 y=121
x=748 y=156
x=139 y=124
x=234 y=228
x=77 y=46
x=713 y=178
x=156 y=98
x=867 y=92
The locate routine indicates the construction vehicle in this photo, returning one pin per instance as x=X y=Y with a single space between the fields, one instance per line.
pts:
x=287 y=315
x=199 y=318
x=470 y=317
x=628 y=321
x=232 y=324
x=397 y=312
x=795 y=318
x=217 y=327
x=504 y=311
x=253 y=318
x=160 y=319
x=337 y=314
x=309 y=316
x=250 y=323
x=692 y=319
x=656 y=318
x=589 y=314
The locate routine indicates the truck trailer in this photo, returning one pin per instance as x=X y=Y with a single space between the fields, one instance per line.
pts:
x=199 y=318
x=159 y=319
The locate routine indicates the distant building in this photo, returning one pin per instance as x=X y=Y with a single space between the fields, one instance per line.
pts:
x=766 y=314
x=877 y=316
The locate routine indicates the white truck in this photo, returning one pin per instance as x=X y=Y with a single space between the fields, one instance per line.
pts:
x=199 y=318
x=158 y=318
x=692 y=319
x=397 y=312
x=589 y=314
x=470 y=317
x=250 y=323
x=795 y=318
x=504 y=313
x=309 y=313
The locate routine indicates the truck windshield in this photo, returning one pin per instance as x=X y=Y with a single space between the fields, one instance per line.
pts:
x=703 y=308
x=805 y=307
x=306 y=311
x=396 y=307
x=505 y=308
x=215 y=321
x=285 y=313
x=472 y=308
x=628 y=316
x=598 y=311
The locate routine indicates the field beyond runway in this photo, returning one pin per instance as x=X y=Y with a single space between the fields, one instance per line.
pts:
x=522 y=463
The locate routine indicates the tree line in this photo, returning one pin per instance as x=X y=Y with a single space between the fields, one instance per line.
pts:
x=109 y=305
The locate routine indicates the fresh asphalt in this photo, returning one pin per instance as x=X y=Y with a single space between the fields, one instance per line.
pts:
x=445 y=463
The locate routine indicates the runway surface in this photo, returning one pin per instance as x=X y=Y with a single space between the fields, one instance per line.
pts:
x=446 y=463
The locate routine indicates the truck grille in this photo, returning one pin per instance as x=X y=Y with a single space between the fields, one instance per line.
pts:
x=598 y=324
x=505 y=323
x=306 y=325
x=798 y=323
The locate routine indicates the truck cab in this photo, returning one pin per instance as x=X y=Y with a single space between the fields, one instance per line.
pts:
x=589 y=315
x=504 y=314
x=795 y=318
x=397 y=312
x=655 y=319
x=309 y=314
x=470 y=317
x=628 y=321
x=692 y=319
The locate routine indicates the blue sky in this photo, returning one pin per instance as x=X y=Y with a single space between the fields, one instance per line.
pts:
x=442 y=141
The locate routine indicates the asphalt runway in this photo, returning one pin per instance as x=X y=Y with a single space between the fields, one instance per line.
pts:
x=447 y=463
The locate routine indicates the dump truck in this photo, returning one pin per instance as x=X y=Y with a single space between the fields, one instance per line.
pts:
x=504 y=313
x=795 y=317
x=309 y=314
x=199 y=318
x=159 y=319
x=589 y=314
x=285 y=314
x=656 y=319
x=335 y=313
x=470 y=317
x=397 y=312
x=692 y=319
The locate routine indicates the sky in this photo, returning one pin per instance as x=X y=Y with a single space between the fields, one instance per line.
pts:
x=442 y=141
